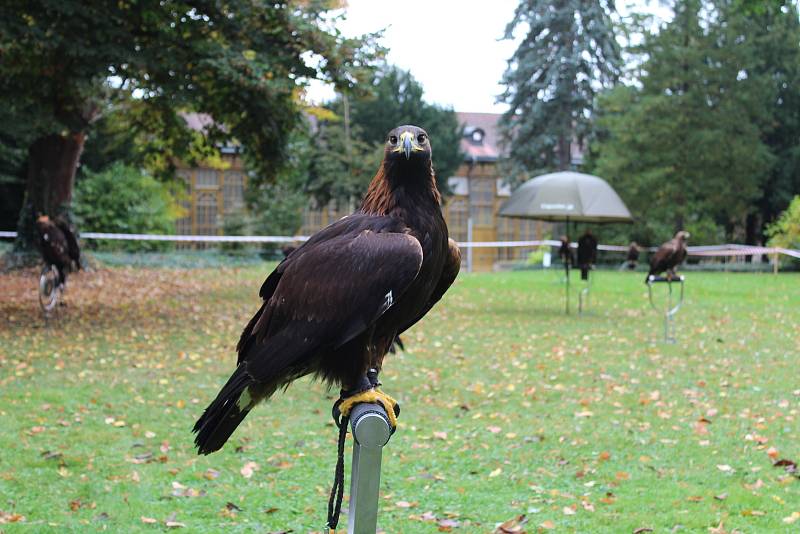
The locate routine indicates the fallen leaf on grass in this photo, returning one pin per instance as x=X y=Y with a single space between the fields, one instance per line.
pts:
x=642 y=530
x=440 y=435
x=608 y=499
x=405 y=504
x=170 y=521
x=248 y=469
x=725 y=468
x=148 y=520
x=788 y=465
x=758 y=484
x=792 y=518
x=446 y=525
x=515 y=526
x=754 y=513
x=11 y=517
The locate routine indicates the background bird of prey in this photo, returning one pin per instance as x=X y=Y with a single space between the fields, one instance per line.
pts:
x=334 y=306
x=58 y=245
x=587 y=253
x=668 y=256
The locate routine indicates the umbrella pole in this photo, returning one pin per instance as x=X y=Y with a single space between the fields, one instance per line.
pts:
x=567 y=265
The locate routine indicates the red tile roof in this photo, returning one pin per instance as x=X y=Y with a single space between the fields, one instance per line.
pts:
x=488 y=148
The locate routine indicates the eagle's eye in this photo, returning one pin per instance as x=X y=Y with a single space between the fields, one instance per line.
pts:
x=393 y=139
x=421 y=138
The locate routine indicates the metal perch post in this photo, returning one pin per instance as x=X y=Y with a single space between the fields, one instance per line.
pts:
x=670 y=310
x=583 y=296
x=371 y=430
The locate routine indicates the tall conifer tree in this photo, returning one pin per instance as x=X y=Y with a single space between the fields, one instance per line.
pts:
x=568 y=54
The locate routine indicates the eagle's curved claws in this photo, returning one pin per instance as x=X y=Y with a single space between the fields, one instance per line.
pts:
x=345 y=405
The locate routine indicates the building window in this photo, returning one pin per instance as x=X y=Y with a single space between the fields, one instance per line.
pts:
x=206 y=179
x=233 y=191
x=184 y=224
x=206 y=213
x=481 y=201
x=457 y=214
x=505 y=232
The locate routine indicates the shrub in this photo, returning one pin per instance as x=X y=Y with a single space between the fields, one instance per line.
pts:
x=122 y=199
x=785 y=232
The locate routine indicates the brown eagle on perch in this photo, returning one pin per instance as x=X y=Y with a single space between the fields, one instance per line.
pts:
x=334 y=306
x=668 y=256
x=58 y=245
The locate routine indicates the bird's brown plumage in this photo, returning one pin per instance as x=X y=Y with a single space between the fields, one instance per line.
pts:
x=58 y=244
x=669 y=255
x=334 y=306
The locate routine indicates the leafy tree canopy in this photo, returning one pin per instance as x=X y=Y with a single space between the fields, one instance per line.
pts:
x=241 y=62
x=395 y=98
x=685 y=149
x=63 y=63
x=785 y=232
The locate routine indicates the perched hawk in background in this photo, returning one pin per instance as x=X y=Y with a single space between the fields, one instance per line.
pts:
x=668 y=256
x=58 y=245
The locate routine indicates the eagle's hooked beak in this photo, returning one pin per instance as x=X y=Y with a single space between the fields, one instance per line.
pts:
x=407 y=144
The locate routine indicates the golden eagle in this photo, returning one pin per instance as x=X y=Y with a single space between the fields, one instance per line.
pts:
x=58 y=245
x=333 y=307
x=668 y=256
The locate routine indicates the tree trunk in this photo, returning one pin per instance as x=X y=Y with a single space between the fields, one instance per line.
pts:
x=751 y=232
x=564 y=156
x=52 y=164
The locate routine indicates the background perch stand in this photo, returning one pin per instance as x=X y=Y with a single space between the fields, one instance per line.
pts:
x=371 y=431
x=671 y=309
x=583 y=295
x=49 y=290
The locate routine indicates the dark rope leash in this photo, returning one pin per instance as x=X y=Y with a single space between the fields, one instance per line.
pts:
x=337 y=490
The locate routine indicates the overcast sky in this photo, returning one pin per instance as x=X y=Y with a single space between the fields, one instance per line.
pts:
x=452 y=47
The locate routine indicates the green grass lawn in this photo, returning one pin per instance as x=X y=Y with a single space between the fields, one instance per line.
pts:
x=582 y=424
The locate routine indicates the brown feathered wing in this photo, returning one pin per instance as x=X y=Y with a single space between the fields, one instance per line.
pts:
x=324 y=294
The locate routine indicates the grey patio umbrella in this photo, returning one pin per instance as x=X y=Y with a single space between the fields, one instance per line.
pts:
x=567 y=197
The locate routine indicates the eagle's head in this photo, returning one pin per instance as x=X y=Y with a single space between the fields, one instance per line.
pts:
x=682 y=236
x=408 y=143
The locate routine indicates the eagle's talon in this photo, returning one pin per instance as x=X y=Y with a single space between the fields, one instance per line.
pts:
x=390 y=405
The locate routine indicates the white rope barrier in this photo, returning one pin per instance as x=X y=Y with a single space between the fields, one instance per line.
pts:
x=731 y=249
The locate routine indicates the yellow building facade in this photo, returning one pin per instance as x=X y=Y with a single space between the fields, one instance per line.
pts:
x=471 y=211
